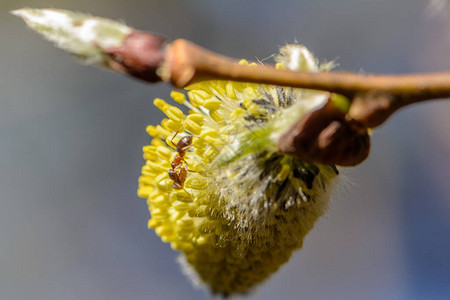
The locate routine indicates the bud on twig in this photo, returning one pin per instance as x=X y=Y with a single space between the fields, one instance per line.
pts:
x=81 y=35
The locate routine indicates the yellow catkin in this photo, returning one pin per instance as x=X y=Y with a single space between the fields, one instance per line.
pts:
x=151 y=130
x=163 y=152
x=233 y=224
x=174 y=126
x=174 y=113
x=163 y=132
x=178 y=97
x=216 y=116
x=212 y=104
x=153 y=223
x=160 y=103
x=193 y=127
x=229 y=89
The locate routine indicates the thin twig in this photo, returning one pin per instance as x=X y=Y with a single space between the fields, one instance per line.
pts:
x=189 y=63
x=327 y=135
x=183 y=63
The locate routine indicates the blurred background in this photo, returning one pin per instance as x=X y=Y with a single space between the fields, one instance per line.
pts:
x=72 y=227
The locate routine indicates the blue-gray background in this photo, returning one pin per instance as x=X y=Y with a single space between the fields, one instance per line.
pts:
x=72 y=227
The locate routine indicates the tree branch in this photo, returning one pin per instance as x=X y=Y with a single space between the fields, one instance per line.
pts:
x=375 y=97
x=327 y=135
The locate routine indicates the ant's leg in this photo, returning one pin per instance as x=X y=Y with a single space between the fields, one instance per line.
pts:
x=177 y=186
x=178 y=131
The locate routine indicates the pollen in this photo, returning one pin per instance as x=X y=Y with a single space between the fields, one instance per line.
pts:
x=217 y=189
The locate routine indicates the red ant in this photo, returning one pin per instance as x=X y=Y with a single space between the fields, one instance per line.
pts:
x=179 y=169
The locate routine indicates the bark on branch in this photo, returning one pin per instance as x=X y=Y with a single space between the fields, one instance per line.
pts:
x=327 y=135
